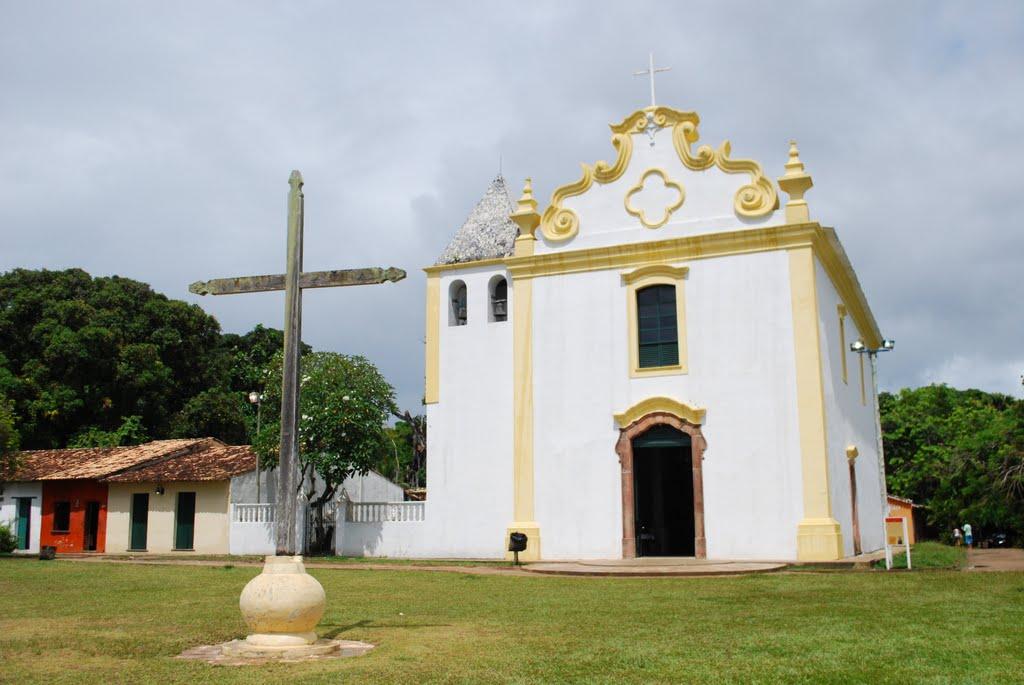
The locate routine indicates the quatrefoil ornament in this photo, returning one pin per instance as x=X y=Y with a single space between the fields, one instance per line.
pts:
x=662 y=208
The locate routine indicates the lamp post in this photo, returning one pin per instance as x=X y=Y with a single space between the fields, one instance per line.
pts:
x=860 y=348
x=257 y=399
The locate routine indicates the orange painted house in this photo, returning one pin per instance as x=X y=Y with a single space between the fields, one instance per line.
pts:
x=74 y=516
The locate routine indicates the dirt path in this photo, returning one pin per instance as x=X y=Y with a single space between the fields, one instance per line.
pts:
x=996 y=560
x=491 y=570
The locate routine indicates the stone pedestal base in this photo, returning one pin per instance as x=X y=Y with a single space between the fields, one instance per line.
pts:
x=244 y=653
x=532 y=530
x=819 y=540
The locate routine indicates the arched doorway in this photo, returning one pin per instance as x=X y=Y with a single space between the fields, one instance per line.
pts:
x=662 y=487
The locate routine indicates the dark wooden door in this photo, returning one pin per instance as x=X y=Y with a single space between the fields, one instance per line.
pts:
x=185 y=519
x=24 y=522
x=92 y=525
x=140 y=520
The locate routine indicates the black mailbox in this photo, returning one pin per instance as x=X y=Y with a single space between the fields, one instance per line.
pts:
x=517 y=542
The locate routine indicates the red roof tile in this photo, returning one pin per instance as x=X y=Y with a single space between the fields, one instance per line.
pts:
x=160 y=460
x=211 y=460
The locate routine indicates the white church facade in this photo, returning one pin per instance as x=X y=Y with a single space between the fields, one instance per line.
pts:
x=656 y=364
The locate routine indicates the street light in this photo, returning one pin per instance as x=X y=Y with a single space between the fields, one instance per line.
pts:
x=257 y=399
x=860 y=348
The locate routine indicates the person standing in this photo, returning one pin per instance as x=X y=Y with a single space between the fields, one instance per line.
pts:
x=968 y=536
x=957 y=537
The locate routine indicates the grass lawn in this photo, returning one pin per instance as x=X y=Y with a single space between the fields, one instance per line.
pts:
x=68 y=622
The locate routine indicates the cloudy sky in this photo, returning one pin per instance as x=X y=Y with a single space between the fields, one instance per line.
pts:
x=154 y=140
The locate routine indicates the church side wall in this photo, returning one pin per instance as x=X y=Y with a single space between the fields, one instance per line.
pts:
x=849 y=422
x=741 y=370
x=469 y=430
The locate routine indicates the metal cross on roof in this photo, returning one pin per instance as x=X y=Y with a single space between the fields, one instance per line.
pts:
x=293 y=283
x=651 y=70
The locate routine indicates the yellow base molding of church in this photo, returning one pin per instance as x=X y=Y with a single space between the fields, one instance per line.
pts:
x=819 y=540
x=532 y=531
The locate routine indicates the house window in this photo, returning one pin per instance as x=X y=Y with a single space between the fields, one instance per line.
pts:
x=657 y=320
x=499 y=299
x=457 y=312
x=61 y=517
x=657 y=329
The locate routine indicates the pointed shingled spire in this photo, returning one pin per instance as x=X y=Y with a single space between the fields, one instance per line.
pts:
x=488 y=232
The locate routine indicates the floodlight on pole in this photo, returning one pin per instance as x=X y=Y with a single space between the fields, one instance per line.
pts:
x=257 y=399
x=859 y=347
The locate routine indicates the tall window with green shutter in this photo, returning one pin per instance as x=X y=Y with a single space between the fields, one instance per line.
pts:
x=657 y=326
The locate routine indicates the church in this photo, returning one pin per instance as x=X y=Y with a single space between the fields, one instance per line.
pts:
x=658 y=363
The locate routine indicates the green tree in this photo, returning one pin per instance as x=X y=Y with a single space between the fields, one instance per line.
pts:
x=9 y=440
x=958 y=452
x=216 y=413
x=79 y=353
x=130 y=432
x=343 y=408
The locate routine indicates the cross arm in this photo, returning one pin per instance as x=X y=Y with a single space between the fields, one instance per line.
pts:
x=312 y=279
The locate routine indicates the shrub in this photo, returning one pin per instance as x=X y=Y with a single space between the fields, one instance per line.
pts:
x=8 y=540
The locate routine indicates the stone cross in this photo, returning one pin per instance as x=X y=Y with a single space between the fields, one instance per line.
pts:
x=651 y=70
x=292 y=282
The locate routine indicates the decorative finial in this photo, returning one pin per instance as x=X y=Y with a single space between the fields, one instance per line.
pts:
x=295 y=180
x=527 y=218
x=795 y=182
x=794 y=165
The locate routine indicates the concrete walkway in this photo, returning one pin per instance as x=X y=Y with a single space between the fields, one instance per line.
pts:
x=647 y=567
x=995 y=560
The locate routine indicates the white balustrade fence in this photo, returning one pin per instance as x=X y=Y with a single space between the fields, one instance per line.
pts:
x=252 y=513
x=378 y=512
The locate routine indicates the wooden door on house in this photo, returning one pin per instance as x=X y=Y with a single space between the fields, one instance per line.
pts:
x=185 y=519
x=92 y=526
x=139 y=521
x=24 y=527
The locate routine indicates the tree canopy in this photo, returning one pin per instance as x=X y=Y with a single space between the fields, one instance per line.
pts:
x=960 y=453
x=107 y=361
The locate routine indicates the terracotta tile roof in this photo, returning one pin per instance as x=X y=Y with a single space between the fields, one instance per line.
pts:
x=93 y=462
x=210 y=460
x=160 y=460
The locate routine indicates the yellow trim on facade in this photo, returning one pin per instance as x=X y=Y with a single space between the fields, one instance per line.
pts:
x=666 y=270
x=636 y=280
x=458 y=266
x=522 y=430
x=819 y=537
x=667 y=212
x=826 y=246
x=432 y=372
x=755 y=199
x=667 y=405
x=841 y=312
x=744 y=241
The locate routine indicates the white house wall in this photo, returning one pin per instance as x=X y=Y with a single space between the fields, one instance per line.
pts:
x=741 y=369
x=9 y=511
x=849 y=422
x=469 y=430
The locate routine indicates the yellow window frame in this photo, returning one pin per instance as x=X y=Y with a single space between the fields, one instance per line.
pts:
x=643 y=277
